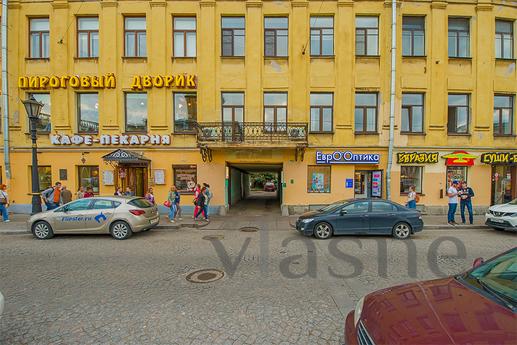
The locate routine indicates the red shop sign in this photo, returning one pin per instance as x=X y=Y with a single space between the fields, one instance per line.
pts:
x=460 y=158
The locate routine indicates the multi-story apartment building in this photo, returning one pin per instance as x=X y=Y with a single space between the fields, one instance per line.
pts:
x=155 y=93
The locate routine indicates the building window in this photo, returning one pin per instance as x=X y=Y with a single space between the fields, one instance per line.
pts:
x=233 y=106
x=233 y=36
x=411 y=176
x=322 y=36
x=88 y=37
x=275 y=111
x=185 y=37
x=185 y=178
x=88 y=112
x=503 y=39
x=456 y=174
x=413 y=36
x=503 y=115
x=318 y=179
x=459 y=37
x=185 y=112
x=39 y=38
x=412 y=113
x=321 y=112
x=458 y=114
x=44 y=176
x=89 y=177
x=275 y=36
x=135 y=40
x=136 y=111
x=366 y=113
x=367 y=35
x=43 y=124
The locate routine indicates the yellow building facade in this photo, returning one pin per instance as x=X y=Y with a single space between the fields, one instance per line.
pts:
x=155 y=93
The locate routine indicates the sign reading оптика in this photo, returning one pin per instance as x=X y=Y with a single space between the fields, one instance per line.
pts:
x=347 y=157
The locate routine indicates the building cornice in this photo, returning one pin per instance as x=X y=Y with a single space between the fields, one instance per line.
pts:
x=157 y=4
x=109 y=4
x=60 y=5
x=439 y=5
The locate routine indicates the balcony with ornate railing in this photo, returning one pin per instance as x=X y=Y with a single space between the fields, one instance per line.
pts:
x=278 y=134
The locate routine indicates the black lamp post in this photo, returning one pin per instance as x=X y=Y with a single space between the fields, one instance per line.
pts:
x=33 y=109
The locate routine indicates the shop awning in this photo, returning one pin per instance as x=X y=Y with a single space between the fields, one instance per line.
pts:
x=123 y=156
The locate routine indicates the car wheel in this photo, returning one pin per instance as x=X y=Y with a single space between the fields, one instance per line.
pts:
x=120 y=230
x=42 y=230
x=323 y=230
x=401 y=230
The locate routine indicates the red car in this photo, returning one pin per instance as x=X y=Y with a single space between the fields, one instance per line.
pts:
x=269 y=187
x=476 y=307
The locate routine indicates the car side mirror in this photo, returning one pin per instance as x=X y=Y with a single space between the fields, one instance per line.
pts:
x=478 y=262
x=342 y=212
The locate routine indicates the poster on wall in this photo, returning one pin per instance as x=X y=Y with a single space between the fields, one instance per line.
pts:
x=318 y=183
x=107 y=178
x=159 y=176
x=377 y=184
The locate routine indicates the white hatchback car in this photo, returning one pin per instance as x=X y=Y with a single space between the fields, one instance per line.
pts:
x=503 y=216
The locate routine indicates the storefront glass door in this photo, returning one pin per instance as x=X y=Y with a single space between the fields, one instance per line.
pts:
x=501 y=184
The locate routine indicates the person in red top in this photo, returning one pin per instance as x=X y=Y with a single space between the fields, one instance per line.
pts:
x=88 y=193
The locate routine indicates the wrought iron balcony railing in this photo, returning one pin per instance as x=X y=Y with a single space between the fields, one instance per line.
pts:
x=252 y=132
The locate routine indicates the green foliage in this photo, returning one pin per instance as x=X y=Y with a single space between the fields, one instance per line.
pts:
x=257 y=180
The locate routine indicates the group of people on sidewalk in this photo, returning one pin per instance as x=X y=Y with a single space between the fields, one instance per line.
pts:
x=462 y=193
x=58 y=195
x=202 y=197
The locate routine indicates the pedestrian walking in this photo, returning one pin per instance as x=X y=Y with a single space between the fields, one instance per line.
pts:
x=171 y=202
x=4 y=203
x=80 y=193
x=89 y=192
x=466 y=194
x=452 y=193
x=209 y=195
x=149 y=196
x=52 y=196
x=118 y=191
x=197 y=193
x=412 y=198
x=66 y=195
x=177 y=199
x=201 y=203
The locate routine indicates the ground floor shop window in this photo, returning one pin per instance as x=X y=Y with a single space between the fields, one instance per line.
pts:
x=411 y=176
x=44 y=175
x=89 y=177
x=185 y=178
x=502 y=184
x=456 y=174
x=318 y=179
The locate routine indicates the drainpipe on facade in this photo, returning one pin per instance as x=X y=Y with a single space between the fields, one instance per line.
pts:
x=392 y=94
x=5 y=91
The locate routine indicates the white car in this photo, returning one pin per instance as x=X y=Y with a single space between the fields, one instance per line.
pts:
x=1 y=303
x=502 y=217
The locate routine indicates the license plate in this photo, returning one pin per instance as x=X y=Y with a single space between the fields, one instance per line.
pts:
x=154 y=221
x=497 y=220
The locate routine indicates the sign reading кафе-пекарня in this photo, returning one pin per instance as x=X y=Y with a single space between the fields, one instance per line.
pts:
x=114 y=139
x=347 y=157
x=499 y=158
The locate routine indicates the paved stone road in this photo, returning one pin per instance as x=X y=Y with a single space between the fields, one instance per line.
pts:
x=95 y=290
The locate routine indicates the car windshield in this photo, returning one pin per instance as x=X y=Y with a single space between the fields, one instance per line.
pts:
x=333 y=206
x=140 y=202
x=499 y=277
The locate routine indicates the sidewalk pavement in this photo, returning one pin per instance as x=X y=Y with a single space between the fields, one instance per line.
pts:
x=275 y=221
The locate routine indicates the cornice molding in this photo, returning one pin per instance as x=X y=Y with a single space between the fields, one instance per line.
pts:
x=300 y=4
x=484 y=7
x=207 y=4
x=157 y=4
x=60 y=5
x=253 y=4
x=109 y=4
x=439 y=5
x=345 y=4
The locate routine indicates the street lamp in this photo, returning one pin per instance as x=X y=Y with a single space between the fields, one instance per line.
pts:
x=33 y=109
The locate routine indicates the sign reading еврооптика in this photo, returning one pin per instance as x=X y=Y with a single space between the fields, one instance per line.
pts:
x=347 y=157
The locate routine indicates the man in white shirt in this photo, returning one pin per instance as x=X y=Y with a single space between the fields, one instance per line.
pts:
x=452 y=193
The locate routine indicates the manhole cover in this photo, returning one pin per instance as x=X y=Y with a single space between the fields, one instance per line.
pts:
x=205 y=276
x=213 y=237
x=249 y=229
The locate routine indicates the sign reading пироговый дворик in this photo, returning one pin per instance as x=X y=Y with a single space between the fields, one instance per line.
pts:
x=347 y=157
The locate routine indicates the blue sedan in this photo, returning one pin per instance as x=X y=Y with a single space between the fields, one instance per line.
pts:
x=361 y=217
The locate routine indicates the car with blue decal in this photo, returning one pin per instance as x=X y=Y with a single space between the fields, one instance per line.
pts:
x=119 y=216
x=361 y=217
